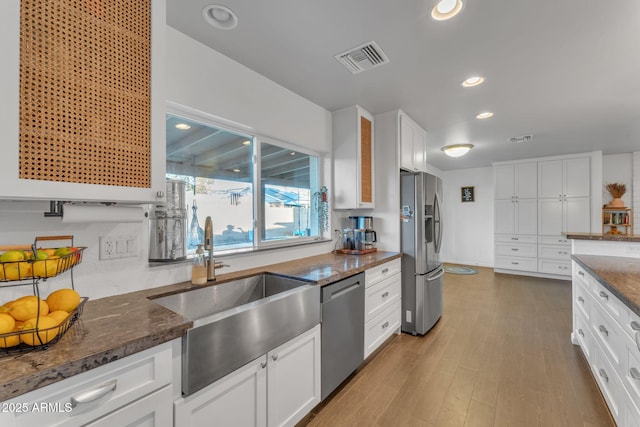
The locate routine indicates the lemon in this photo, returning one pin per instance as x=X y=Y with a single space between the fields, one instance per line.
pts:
x=58 y=316
x=7 y=323
x=27 y=308
x=17 y=270
x=11 y=256
x=45 y=268
x=63 y=299
x=62 y=252
x=43 y=335
x=10 y=341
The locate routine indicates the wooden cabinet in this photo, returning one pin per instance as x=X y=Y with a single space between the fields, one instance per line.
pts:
x=129 y=391
x=413 y=144
x=382 y=310
x=62 y=141
x=617 y=221
x=353 y=159
x=277 y=389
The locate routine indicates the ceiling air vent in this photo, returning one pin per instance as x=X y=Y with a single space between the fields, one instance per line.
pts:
x=520 y=139
x=363 y=57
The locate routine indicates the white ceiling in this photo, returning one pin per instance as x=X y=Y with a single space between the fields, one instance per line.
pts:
x=566 y=71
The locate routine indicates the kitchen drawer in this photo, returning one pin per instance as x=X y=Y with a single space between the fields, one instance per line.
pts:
x=584 y=337
x=610 y=385
x=516 y=249
x=553 y=266
x=120 y=383
x=381 y=327
x=581 y=299
x=554 y=252
x=608 y=334
x=515 y=238
x=611 y=303
x=551 y=240
x=631 y=377
x=515 y=263
x=381 y=295
x=382 y=271
x=579 y=274
x=154 y=410
x=632 y=325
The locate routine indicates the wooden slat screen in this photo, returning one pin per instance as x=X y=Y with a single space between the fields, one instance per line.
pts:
x=366 y=175
x=85 y=91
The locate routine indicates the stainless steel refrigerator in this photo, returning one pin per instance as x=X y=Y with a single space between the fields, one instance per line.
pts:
x=421 y=234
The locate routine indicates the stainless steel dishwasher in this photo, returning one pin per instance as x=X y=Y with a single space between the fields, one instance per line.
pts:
x=342 y=331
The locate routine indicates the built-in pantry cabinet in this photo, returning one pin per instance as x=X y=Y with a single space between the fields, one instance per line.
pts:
x=536 y=201
x=72 y=130
x=413 y=144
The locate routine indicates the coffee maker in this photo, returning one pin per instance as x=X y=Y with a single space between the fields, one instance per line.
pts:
x=361 y=234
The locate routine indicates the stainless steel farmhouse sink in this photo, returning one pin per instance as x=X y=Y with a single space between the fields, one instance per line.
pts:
x=237 y=321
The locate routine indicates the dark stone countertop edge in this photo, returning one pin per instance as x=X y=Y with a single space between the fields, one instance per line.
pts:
x=44 y=373
x=604 y=237
x=611 y=287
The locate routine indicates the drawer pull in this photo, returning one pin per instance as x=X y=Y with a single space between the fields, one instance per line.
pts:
x=385 y=271
x=386 y=294
x=385 y=325
x=95 y=394
x=514 y=238
x=514 y=263
x=563 y=253
x=263 y=365
x=562 y=267
x=274 y=357
x=562 y=241
x=635 y=325
x=603 y=330
x=603 y=374
x=580 y=299
x=580 y=273
x=635 y=374
x=581 y=332
x=604 y=295
x=514 y=249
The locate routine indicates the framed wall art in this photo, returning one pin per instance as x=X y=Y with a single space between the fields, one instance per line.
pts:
x=467 y=194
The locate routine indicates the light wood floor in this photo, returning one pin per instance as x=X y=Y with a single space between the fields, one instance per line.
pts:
x=500 y=356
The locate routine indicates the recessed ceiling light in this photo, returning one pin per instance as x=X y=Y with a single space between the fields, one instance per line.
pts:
x=457 y=150
x=183 y=126
x=473 y=81
x=446 y=9
x=484 y=115
x=236 y=170
x=293 y=153
x=247 y=142
x=220 y=17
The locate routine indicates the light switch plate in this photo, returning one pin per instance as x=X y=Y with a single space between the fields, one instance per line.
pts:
x=118 y=246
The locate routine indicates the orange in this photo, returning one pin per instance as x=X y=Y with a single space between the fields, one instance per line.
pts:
x=44 y=334
x=63 y=299
x=27 y=307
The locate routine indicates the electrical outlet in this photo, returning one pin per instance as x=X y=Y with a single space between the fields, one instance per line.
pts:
x=118 y=246
x=107 y=247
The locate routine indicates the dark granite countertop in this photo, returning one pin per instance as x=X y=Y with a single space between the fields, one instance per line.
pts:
x=608 y=237
x=115 y=327
x=621 y=275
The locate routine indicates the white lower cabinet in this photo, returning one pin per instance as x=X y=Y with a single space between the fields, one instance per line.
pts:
x=609 y=334
x=277 y=389
x=134 y=391
x=382 y=309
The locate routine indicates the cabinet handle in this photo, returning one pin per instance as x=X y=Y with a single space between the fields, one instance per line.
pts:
x=580 y=273
x=562 y=241
x=385 y=325
x=603 y=330
x=159 y=194
x=603 y=374
x=562 y=252
x=95 y=394
x=386 y=294
x=263 y=365
x=274 y=357
x=514 y=249
x=604 y=295
x=580 y=299
x=385 y=271
x=514 y=263
x=635 y=374
x=515 y=238
x=635 y=325
x=562 y=267
x=581 y=332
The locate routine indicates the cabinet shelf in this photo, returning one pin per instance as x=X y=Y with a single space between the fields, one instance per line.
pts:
x=617 y=221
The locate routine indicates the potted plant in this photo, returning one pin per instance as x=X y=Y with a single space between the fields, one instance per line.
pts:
x=617 y=191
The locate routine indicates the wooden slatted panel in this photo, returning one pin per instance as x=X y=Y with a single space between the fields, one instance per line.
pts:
x=85 y=91
x=366 y=176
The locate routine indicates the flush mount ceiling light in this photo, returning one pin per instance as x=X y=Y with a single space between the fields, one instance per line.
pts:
x=473 y=81
x=484 y=115
x=183 y=126
x=220 y=17
x=247 y=142
x=446 y=9
x=457 y=150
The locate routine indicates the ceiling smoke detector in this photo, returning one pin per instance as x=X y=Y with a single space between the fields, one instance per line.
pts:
x=361 y=58
x=520 y=139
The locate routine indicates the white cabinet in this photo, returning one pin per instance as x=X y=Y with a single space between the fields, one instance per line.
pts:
x=516 y=181
x=353 y=159
x=382 y=310
x=49 y=175
x=277 y=389
x=518 y=216
x=413 y=144
x=562 y=215
x=136 y=390
x=564 y=178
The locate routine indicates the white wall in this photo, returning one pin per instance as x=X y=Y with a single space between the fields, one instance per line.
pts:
x=202 y=79
x=618 y=168
x=468 y=227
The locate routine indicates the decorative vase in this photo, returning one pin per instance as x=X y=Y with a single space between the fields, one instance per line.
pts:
x=617 y=202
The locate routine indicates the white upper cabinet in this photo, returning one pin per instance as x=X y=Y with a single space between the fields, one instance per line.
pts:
x=353 y=159
x=516 y=180
x=564 y=178
x=413 y=145
x=75 y=131
x=516 y=187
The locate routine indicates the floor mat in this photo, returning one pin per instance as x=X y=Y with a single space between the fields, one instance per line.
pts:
x=459 y=269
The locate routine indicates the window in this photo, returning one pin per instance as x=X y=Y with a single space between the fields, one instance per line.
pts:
x=218 y=165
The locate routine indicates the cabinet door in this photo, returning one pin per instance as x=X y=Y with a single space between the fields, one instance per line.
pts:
x=550 y=219
x=239 y=399
x=153 y=410
x=504 y=216
x=504 y=182
x=550 y=177
x=420 y=149
x=293 y=379
x=577 y=178
x=526 y=180
x=407 y=157
x=577 y=218
x=366 y=161
x=526 y=216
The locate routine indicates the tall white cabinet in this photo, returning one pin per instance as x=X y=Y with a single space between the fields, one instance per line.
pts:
x=535 y=202
x=413 y=144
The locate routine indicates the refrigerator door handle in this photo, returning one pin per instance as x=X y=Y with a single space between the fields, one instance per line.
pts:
x=437 y=276
x=437 y=222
